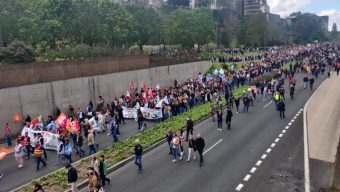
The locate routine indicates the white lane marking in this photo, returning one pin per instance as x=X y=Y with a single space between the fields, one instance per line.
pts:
x=247 y=177
x=268 y=104
x=292 y=121
x=253 y=170
x=284 y=131
x=258 y=163
x=268 y=150
x=295 y=117
x=289 y=124
x=264 y=156
x=239 y=187
x=287 y=127
x=272 y=145
x=277 y=140
x=280 y=135
x=210 y=148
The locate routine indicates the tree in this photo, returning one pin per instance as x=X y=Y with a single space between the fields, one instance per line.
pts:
x=16 y=52
x=307 y=28
x=189 y=27
x=334 y=32
x=147 y=24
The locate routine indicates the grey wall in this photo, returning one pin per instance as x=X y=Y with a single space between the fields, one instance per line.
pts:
x=44 y=97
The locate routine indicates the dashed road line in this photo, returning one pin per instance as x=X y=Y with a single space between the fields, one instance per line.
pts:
x=264 y=156
x=247 y=177
x=272 y=145
x=239 y=187
x=253 y=170
x=268 y=104
x=258 y=163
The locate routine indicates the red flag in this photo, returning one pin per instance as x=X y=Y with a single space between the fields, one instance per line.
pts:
x=144 y=86
x=16 y=118
x=128 y=94
x=61 y=120
x=35 y=121
x=145 y=99
x=73 y=126
x=150 y=95
x=132 y=86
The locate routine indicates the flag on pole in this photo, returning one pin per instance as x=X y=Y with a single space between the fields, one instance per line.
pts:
x=4 y=152
x=144 y=86
x=128 y=94
x=132 y=86
x=158 y=87
x=145 y=99
x=16 y=118
x=150 y=95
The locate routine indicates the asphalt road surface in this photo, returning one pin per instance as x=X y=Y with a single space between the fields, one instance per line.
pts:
x=230 y=155
x=14 y=177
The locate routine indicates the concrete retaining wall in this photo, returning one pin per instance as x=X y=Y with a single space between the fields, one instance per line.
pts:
x=44 y=97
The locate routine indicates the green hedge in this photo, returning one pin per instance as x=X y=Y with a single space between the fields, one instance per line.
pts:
x=209 y=55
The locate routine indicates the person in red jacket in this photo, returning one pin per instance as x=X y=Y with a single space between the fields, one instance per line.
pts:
x=26 y=141
x=7 y=135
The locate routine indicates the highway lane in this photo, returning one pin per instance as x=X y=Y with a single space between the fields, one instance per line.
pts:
x=14 y=177
x=226 y=164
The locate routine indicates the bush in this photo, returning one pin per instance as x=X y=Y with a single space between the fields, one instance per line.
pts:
x=16 y=52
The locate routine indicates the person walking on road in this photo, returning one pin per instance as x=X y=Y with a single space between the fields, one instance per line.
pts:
x=169 y=137
x=95 y=164
x=219 y=120
x=90 y=143
x=181 y=141
x=228 y=118
x=200 y=144
x=305 y=80
x=72 y=177
x=311 y=83
x=19 y=153
x=237 y=104
x=138 y=156
x=282 y=109
x=103 y=170
x=245 y=103
x=191 y=148
x=291 y=91
x=27 y=144
x=7 y=135
x=213 y=110
x=68 y=150
x=190 y=127
x=175 y=147
x=38 y=153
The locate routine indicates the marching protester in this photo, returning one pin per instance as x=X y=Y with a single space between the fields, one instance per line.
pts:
x=219 y=120
x=311 y=83
x=191 y=148
x=281 y=107
x=95 y=164
x=228 y=118
x=7 y=135
x=138 y=155
x=37 y=187
x=19 y=153
x=93 y=180
x=38 y=153
x=79 y=143
x=90 y=143
x=72 y=177
x=190 y=127
x=68 y=150
x=60 y=151
x=176 y=147
x=103 y=170
x=169 y=137
x=200 y=144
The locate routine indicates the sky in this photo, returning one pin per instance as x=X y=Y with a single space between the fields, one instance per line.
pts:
x=319 y=7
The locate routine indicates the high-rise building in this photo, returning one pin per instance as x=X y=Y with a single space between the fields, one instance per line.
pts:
x=246 y=7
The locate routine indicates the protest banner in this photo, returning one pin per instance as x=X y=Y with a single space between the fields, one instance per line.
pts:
x=151 y=114
x=50 y=139
x=129 y=113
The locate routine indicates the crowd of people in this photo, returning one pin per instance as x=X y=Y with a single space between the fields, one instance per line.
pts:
x=182 y=96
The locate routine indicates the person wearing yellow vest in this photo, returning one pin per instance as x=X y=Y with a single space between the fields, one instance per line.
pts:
x=38 y=153
x=277 y=98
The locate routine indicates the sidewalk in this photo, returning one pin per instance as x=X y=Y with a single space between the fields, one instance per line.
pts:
x=323 y=114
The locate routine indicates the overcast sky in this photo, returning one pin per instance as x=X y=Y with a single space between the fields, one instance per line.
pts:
x=319 y=7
